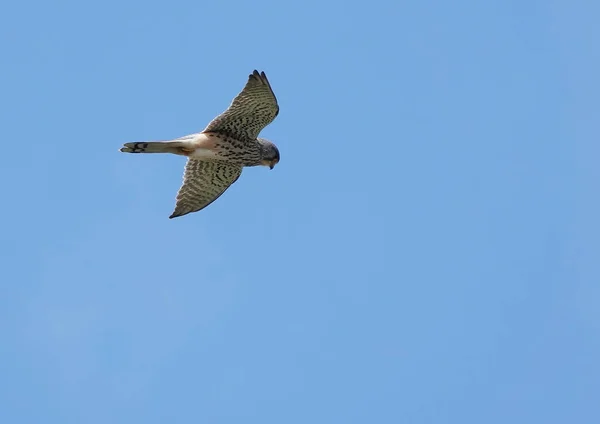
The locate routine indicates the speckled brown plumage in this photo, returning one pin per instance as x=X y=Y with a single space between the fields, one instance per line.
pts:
x=230 y=142
x=203 y=183
x=251 y=110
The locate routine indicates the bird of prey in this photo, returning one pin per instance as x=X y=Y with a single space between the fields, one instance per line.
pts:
x=230 y=142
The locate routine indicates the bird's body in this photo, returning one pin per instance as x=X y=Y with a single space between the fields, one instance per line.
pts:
x=204 y=146
x=230 y=142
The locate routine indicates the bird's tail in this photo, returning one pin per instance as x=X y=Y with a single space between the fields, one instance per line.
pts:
x=154 y=147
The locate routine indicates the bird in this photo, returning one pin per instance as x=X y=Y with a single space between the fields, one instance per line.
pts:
x=230 y=142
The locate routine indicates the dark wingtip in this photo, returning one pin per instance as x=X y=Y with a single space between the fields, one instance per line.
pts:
x=176 y=214
x=261 y=76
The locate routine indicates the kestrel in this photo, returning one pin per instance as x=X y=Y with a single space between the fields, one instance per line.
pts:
x=230 y=142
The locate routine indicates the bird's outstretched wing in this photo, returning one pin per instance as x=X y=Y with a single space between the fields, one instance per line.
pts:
x=203 y=183
x=253 y=108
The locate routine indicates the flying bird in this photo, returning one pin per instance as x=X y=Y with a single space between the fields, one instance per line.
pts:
x=230 y=142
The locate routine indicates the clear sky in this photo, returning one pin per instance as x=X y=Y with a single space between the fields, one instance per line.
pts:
x=425 y=252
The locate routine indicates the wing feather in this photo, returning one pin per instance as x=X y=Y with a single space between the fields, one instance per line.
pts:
x=203 y=183
x=253 y=108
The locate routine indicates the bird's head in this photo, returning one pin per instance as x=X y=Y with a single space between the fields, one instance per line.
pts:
x=269 y=154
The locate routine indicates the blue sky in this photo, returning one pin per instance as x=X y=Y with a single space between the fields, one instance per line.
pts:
x=425 y=252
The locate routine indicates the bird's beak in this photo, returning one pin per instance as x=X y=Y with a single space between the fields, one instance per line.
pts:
x=271 y=166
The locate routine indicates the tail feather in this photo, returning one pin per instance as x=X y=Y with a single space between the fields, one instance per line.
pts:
x=153 y=147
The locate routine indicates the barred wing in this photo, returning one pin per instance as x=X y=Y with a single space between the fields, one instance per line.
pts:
x=203 y=183
x=254 y=108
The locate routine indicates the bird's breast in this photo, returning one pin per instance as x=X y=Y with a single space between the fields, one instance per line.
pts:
x=201 y=153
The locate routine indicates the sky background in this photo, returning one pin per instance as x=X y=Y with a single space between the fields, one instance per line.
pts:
x=425 y=252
